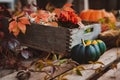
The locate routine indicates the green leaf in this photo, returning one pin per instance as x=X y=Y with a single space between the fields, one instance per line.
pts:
x=39 y=66
x=54 y=57
x=63 y=61
x=102 y=20
x=78 y=72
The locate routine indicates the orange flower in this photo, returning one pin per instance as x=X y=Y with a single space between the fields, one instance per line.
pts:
x=18 y=24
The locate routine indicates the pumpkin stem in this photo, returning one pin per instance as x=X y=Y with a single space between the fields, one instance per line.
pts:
x=82 y=40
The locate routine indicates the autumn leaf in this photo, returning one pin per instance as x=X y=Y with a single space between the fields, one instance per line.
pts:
x=91 y=62
x=67 y=5
x=24 y=20
x=98 y=62
x=22 y=27
x=16 y=32
x=18 y=24
x=68 y=9
x=33 y=15
x=98 y=70
x=114 y=66
x=12 y=25
x=78 y=72
x=55 y=24
x=57 y=11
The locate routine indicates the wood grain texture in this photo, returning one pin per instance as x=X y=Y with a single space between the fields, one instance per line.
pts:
x=107 y=58
x=41 y=75
x=112 y=74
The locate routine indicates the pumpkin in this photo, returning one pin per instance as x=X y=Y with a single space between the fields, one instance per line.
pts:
x=94 y=15
x=101 y=45
x=89 y=50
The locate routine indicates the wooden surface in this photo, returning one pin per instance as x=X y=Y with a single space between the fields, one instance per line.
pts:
x=112 y=74
x=107 y=58
x=41 y=75
x=5 y=72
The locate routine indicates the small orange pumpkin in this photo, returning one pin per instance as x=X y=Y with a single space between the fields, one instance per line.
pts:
x=94 y=15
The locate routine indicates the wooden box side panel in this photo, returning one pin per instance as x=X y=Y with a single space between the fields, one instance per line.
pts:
x=45 y=38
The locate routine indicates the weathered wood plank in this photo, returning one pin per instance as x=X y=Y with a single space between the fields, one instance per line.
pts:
x=41 y=75
x=107 y=58
x=112 y=74
x=5 y=72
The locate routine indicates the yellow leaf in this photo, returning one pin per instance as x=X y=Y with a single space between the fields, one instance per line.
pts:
x=97 y=62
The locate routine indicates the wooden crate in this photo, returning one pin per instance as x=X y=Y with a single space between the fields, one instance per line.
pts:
x=57 y=39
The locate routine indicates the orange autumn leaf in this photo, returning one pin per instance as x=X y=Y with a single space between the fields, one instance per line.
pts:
x=43 y=15
x=22 y=27
x=67 y=5
x=12 y=25
x=55 y=24
x=68 y=9
x=24 y=20
x=18 y=24
x=16 y=32
x=33 y=15
x=57 y=11
x=37 y=20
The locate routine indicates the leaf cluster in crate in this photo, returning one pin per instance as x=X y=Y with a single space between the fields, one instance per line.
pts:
x=64 y=17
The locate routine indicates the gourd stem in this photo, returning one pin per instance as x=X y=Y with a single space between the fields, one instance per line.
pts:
x=82 y=40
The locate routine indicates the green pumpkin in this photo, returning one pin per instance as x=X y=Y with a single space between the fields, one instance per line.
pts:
x=86 y=51
x=102 y=46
